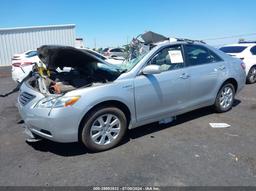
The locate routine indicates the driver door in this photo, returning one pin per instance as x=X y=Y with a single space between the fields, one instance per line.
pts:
x=160 y=95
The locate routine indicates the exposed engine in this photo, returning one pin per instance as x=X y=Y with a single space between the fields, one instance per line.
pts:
x=66 y=68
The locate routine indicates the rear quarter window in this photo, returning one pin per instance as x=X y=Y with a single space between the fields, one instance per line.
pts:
x=198 y=55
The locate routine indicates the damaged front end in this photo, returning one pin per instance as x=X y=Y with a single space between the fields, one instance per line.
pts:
x=63 y=69
x=44 y=102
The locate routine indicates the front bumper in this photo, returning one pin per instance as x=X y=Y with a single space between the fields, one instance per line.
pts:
x=58 y=124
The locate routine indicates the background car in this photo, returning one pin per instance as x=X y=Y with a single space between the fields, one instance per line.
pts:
x=115 y=52
x=22 y=64
x=27 y=54
x=111 y=60
x=246 y=51
x=104 y=50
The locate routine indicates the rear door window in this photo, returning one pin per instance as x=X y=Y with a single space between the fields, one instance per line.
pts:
x=198 y=55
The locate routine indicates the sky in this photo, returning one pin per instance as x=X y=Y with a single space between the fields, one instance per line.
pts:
x=114 y=22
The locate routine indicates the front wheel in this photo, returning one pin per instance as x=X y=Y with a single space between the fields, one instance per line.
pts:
x=251 y=77
x=225 y=98
x=104 y=129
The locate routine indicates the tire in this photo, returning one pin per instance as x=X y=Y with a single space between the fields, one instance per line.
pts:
x=251 y=77
x=225 y=98
x=103 y=129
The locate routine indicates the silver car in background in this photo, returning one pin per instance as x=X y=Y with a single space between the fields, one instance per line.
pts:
x=173 y=78
x=115 y=53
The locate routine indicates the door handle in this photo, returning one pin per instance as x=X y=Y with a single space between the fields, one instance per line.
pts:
x=184 y=76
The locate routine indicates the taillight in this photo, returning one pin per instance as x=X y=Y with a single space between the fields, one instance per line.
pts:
x=26 y=63
x=243 y=65
x=17 y=64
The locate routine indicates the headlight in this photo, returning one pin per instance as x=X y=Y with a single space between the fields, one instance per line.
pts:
x=66 y=101
x=57 y=102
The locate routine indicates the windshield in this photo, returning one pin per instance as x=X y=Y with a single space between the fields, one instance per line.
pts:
x=233 y=49
x=128 y=65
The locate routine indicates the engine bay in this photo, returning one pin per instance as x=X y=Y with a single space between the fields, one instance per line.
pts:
x=65 y=69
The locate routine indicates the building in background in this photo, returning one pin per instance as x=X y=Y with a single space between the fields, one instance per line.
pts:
x=21 y=39
x=79 y=43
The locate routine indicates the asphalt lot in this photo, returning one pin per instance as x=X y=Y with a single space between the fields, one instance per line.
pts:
x=187 y=152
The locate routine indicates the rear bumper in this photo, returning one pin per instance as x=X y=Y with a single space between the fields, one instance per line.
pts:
x=59 y=125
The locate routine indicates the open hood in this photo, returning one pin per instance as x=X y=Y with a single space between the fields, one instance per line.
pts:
x=84 y=70
x=65 y=56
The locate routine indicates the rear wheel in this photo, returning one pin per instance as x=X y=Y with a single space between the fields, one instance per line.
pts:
x=225 y=98
x=104 y=129
x=251 y=77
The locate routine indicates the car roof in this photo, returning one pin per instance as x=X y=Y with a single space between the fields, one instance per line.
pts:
x=167 y=42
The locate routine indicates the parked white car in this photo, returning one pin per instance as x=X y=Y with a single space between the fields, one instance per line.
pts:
x=22 y=64
x=246 y=51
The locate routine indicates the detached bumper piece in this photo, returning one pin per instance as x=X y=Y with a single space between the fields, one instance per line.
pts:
x=31 y=138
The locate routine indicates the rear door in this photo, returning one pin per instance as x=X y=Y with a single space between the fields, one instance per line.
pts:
x=206 y=70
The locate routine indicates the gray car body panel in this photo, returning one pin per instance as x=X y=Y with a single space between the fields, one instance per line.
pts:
x=149 y=98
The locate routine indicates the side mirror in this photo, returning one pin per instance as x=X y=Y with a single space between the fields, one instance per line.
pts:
x=151 y=69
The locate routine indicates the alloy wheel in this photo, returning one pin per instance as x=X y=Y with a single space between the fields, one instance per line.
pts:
x=252 y=75
x=105 y=129
x=226 y=97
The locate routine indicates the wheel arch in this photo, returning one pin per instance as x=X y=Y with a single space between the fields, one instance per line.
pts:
x=113 y=103
x=247 y=76
x=254 y=65
x=233 y=81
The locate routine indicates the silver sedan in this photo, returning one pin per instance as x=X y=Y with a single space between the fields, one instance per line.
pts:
x=171 y=79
